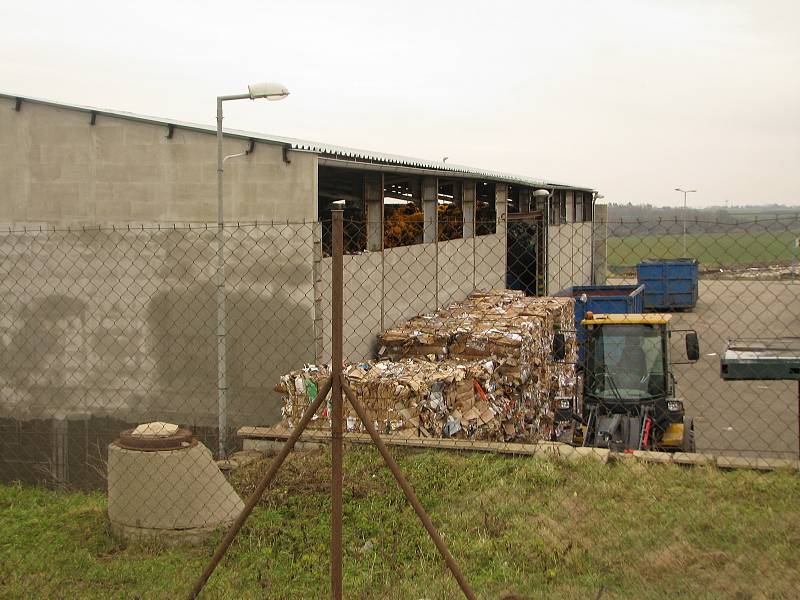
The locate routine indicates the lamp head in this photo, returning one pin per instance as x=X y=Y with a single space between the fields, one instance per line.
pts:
x=541 y=193
x=268 y=90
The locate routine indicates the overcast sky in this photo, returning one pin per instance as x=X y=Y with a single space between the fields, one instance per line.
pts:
x=633 y=98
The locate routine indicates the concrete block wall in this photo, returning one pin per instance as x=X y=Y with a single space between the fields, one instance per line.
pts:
x=382 y=289
x=57 y=168
x=569 y=258
x=122 y=321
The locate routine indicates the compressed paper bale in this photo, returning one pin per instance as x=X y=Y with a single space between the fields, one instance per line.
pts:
x=498 y=324
x=499 y=338
x=416 y=397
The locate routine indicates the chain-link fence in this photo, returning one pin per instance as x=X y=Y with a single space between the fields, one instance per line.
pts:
x=104 y=329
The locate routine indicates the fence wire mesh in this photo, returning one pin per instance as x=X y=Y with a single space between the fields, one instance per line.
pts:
x=451 y=336
x=104 y=329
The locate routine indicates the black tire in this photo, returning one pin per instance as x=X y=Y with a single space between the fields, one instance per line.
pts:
x=688 y=444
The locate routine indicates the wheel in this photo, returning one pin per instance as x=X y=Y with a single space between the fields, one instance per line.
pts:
x=688 y=435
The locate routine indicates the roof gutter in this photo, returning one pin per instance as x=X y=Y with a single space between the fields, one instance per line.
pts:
x=444 y=173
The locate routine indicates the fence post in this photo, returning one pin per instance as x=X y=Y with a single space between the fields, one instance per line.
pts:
x=337 y=293
x=222 y=317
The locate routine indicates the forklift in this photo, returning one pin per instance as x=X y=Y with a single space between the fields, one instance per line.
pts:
x=627 y=399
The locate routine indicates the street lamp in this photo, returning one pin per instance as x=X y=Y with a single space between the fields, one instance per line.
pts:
x=593 y=276
x=543 y=193
x=684 y=192
x=270 y=91
x=548 y=194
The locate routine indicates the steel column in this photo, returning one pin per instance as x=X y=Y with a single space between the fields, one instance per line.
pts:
x=222 y=342
x=409 y=492
x=337 y=283
x=259 y=491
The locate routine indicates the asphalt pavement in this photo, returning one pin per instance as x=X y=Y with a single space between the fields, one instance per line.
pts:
x=741 y=418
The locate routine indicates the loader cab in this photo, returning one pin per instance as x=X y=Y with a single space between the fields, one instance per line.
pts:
x=627 y=362
x=628 y=399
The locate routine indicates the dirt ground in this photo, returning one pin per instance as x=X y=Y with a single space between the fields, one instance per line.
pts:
x=745 y=418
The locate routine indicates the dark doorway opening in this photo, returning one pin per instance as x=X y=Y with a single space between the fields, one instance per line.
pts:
x=526 y=260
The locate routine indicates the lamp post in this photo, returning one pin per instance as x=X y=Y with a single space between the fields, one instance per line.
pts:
x=270 y=91
x=593 y=277
x=684 y=192
x=544 y=193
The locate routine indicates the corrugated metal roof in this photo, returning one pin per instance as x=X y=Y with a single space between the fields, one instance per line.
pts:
x=327 y=150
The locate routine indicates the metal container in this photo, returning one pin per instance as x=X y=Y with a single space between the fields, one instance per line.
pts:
x=761 y=359
x=602 y=299
x=670 y=284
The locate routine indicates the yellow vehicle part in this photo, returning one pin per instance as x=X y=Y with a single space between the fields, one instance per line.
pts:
x=673 y=436
x=634 y=319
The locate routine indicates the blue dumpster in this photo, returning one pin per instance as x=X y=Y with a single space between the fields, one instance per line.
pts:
x=602 y=299
x=669 y=284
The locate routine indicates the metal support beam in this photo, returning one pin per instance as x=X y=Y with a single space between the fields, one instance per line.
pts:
x=409 y=493
x=222 y=341
x=259 y=491
x=430 y=195
x=337 y=285
x=501 y=206
x=373 y=199
x=468 y=208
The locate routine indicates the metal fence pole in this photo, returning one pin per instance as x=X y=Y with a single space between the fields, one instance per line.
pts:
x=409 y=492
x=222 y=342
x=259 y=491
x=337 y=293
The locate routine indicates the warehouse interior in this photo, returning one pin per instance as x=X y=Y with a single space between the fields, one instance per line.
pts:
x=396 y=215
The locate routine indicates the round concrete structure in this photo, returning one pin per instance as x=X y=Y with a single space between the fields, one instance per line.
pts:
x=173 y=495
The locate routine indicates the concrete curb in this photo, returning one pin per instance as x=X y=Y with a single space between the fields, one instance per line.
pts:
x=269 y=440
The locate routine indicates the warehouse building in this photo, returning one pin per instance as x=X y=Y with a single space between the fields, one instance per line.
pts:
x=128 y=333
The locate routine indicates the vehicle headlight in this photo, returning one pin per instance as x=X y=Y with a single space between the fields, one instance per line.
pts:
x=674 y=405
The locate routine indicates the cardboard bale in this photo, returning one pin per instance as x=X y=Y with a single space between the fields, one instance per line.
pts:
x=478 y=369
x=413 y=397
x=495 y=323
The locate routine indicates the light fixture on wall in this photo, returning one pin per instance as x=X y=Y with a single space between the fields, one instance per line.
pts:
x=270 y=91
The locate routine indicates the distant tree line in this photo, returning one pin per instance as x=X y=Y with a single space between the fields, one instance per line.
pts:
x=646 y=219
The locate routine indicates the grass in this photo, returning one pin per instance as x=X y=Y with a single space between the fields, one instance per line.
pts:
x=711 y=249
x=519 y=527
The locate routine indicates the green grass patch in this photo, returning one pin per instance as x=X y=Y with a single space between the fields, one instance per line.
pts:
x=711 y=249
x=519 y=527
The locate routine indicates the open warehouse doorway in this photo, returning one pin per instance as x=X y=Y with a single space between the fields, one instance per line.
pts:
x=526 y=264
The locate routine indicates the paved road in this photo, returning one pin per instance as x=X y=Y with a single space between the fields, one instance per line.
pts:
x=745 y=418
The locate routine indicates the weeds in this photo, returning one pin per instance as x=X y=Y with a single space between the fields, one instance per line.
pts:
x=520 y=528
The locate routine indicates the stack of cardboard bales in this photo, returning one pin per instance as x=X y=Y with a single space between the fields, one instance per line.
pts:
x=501 y=323
x=413 y=397
x=478 y=369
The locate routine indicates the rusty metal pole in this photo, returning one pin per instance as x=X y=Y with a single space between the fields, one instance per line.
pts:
x=337 y=294
x=259 y=491
x=409 y=492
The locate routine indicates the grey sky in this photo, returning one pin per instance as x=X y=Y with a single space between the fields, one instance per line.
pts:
x=633 y=98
